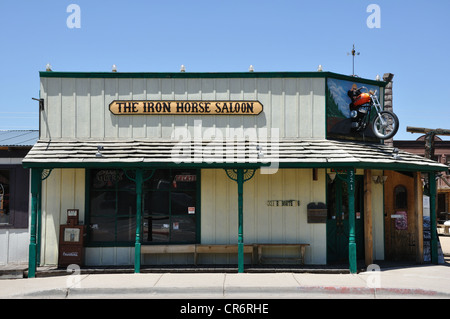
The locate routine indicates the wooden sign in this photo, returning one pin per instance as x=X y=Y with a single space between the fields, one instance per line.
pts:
x=186 y=107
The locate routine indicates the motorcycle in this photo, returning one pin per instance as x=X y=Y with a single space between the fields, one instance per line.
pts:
x=385 y=123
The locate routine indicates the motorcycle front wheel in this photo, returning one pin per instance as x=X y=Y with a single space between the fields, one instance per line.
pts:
x=385 y=125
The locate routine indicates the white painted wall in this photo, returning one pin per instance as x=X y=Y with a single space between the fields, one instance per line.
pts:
x=63 y=189
x=14 y=246
x=262 y=223
x=79 y=107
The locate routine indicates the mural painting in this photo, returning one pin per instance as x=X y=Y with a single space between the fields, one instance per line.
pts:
x=339 y=119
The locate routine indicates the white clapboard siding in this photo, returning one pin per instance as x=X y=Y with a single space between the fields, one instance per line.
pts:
x=78 y=108
x=64 y=189
x=263 y=223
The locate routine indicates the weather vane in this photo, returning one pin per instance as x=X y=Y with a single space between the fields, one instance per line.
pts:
x=353 y=53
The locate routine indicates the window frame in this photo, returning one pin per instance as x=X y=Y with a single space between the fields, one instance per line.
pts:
x=19 y=197
x=171 y=214
x=115 y=243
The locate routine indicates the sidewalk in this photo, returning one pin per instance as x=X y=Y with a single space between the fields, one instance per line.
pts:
x=414 y=281
x=428 y=281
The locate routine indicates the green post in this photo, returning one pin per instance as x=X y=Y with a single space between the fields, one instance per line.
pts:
x=351 y=217
x=240 y=182
x=137 y=245
x=35 y=180
x=433 y=227
x=39 y=223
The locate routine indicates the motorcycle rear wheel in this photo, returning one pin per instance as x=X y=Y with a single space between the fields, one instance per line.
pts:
x=385 y=125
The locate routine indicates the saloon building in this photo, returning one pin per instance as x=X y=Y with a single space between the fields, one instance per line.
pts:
x=215 y=168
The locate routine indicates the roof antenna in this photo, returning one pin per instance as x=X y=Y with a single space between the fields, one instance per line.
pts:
x=353 y=53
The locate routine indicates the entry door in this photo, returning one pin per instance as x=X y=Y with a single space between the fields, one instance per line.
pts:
x=338 y=220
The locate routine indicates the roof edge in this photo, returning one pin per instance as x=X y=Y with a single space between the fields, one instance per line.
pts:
x=194 y=75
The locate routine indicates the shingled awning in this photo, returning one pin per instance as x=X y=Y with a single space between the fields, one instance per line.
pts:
x=223 y=154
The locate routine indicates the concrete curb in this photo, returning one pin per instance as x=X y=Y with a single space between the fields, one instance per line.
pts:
x=413 y=282
x=233 y=292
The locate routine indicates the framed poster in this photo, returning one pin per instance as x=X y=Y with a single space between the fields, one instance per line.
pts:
x=401 y=221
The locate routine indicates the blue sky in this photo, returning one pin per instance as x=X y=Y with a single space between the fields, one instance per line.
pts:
x=227 y=36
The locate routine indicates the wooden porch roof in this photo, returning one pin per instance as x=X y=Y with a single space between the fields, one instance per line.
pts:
x=286 y=153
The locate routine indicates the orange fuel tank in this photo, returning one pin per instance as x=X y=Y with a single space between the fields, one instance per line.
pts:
x=362 y=99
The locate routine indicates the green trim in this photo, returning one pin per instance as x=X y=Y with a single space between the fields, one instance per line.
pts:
x=351 y=185
x=137 y=246
x=32 y=250
x=39 y=223
x=163 y=165
x=87 y=204
x=198 y=207
x=205 y=75
x=240 y=179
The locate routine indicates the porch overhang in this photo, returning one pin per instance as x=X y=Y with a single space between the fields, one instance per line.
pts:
x=283 y=153
x=236 y=154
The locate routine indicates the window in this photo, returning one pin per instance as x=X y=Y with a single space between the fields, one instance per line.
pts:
x=4 y=197
x=14 y=197
x=112 y=207
x=400 y=197
x=169 y=200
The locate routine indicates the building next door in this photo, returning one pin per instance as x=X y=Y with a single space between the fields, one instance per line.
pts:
x=338 y=222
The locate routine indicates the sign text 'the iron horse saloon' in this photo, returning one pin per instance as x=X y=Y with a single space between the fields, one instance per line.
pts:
x=186 y=107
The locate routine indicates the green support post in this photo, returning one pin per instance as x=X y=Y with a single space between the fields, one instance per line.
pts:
x=32 y=251
x=433 y=227
x=139 y=180
x=240 y=176
x=351 y=216
x=240 y=182
x=137 y=245
x=39 y=225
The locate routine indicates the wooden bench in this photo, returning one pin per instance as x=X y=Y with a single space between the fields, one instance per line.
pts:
x=195 y=249
x=301 y=247
x=220 y=249
x=167 y=249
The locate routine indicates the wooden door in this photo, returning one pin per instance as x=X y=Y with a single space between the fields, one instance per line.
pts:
x=399 y=219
